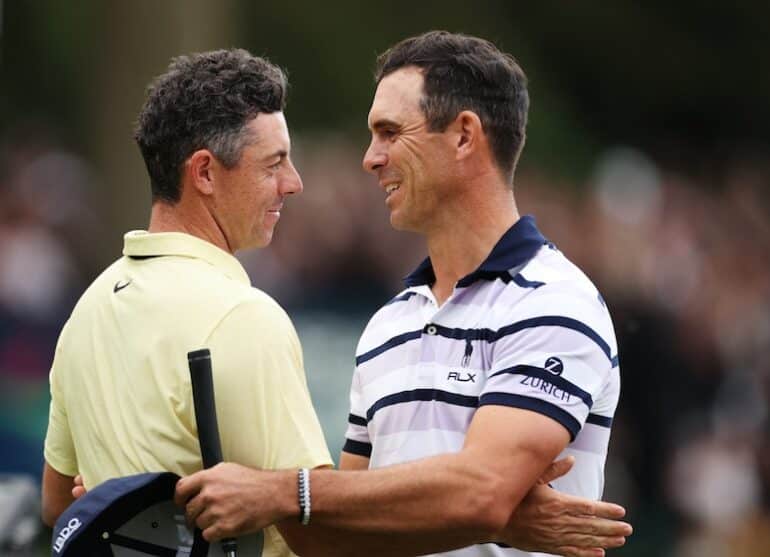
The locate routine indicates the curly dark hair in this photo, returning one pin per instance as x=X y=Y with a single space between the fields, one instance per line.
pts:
x=462 y=72
x=204 y=101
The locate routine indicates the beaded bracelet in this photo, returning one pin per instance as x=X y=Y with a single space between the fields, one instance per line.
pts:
x=303 y=488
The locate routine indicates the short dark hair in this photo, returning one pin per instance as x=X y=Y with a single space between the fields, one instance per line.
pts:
x=467 y=73
x=204 y=101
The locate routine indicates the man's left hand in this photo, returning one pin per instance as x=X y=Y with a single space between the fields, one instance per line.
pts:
x=553 y=522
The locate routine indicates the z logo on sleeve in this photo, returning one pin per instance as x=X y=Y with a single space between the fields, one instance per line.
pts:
x=554 y=365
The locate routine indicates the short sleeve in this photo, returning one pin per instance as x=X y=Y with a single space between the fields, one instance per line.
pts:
x=555 y=362
x=266 y=417
x=59 y=449
x=357 y=435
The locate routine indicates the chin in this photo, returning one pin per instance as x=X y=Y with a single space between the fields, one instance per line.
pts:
x=260 y=242
x=263 y=242
x=396 y=219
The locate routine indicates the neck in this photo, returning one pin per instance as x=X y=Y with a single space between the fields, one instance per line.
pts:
x=181 y=217
x=467 y=233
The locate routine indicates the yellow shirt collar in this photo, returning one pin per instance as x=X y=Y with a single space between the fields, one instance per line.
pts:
x=140 y=243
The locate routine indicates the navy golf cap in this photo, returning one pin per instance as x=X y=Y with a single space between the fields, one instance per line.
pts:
x=135 y=516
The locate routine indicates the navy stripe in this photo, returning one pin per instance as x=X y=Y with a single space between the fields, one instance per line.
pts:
x=422 y=394
x=518 y=245
x=392 y=343
x=505 y=276
x=536 y=405
x=549 y=377
x=401 y=298
x=357 y=447
x=615 y=361
x=557 y=321
x=596 y=419
x=356 y=420
x=545 y=321
x=524 y=283
x=489 y=335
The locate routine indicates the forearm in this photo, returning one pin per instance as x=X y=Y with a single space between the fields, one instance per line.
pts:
x=56 y=494
x=447 y=493
x=317 y=540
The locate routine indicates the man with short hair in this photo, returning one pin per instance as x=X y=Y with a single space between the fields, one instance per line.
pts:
x=217 y=149
x=498 y=357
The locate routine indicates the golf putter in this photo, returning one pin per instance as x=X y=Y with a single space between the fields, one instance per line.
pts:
x=206 y=419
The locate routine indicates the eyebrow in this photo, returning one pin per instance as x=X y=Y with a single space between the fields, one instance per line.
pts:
x=384 y=123
x=281 y=153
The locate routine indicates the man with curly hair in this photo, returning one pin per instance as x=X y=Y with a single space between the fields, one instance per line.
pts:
x=217 y=150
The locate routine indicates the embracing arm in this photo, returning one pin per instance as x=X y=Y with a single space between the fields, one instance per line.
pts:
x=435 y=504
x=545 y=521
x=471 y=493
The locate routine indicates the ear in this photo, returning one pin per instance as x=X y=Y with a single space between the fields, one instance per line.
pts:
x=469 y=133
x=200 y=169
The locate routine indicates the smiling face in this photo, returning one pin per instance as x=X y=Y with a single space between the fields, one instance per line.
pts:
x=412 y=164
x=248 y=198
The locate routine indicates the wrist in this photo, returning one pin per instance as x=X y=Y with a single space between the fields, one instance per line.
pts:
x=285 y=495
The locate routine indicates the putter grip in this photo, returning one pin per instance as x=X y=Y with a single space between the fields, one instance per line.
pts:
x=206 y=418
x=205 y=407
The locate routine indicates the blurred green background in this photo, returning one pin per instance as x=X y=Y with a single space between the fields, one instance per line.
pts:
x=646 y=163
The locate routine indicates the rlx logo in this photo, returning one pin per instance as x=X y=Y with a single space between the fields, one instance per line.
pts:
x=462 y=377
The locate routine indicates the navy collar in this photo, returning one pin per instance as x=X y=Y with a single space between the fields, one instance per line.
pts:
x=518 y=245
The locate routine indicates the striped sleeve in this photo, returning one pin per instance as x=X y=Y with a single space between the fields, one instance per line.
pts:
x=553 y=363
x=357 y=435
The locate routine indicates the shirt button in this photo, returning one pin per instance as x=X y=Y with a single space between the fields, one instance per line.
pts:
x=431 y=330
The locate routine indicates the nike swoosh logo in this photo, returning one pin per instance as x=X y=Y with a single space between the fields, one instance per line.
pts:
x=118 y=287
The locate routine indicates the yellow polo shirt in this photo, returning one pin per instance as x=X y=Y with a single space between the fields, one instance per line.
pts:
x=121 y=400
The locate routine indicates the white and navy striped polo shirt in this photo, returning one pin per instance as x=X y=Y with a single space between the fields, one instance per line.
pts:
x=527 y=329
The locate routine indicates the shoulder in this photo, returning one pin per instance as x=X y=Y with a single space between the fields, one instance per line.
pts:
x=254 y=320
x=564 y=297
x=557 y=283
x=96 y=293
x=398 y=315
x=399 y=305
x=254 y=306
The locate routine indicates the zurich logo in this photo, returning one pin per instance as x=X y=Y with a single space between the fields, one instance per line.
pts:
x=554 y=365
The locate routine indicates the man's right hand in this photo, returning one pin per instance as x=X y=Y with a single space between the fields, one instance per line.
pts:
x=231 y=500
x=552 y=522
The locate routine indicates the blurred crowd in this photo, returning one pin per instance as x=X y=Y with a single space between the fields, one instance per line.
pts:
x=684 y=266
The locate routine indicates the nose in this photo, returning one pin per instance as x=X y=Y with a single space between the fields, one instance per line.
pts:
x=375 y=157
x=291 y=182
